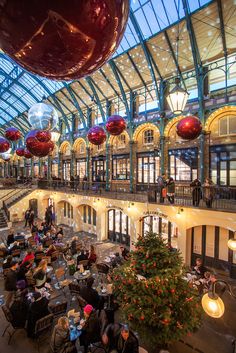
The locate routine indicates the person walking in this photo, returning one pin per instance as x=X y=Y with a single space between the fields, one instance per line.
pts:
x=27 y=216
x=196 y=192
x=161 y=187
x=31 y=218
x=170 y=184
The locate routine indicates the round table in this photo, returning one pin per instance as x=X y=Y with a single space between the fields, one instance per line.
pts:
x=80 y=277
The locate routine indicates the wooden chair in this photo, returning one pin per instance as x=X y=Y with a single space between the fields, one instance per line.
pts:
x=43 y=326
x=9 y=318
x=58 y=309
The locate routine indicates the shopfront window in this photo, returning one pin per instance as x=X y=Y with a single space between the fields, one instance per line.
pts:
x=66 y=170
x=183 y=164
x=148 y=167
x=68 y=210
x=81 y=168
x=118 y=227
x=120 y=167
x=223 y=165
x=99 y=168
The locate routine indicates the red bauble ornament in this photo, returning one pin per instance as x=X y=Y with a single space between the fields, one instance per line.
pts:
x=142 y=317
x=4 y=145
x=20 y=152
x=189 y=128
x=37 y=148
x=59 y=39
x=96 y=135
x=43 y=135
x=115 y=125
x=12 y=134
x=27 y=154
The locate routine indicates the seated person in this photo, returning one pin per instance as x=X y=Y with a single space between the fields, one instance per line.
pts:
x=118 y=260
x=124 y=253
x=199 y=268
x=23 y=269
x=10 y=239
x=59 y=231
x=50 y=251
x=34 y=228
x=3 y=249
x=82 y=256
x=121 y=339
x=37 y=310
x=92 y=256
x=40 y=274
x=39 y=251
x=73 y=245
x=19 y=311
x=60 y=340
x=29 y=257
x=7 y=262
x=90 y=328
x=15 y=246
x=89 y=294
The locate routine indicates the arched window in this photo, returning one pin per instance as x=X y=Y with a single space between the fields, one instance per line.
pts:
x=227 y=125
x=68 y=210
x=148 y=137
x=89 y=215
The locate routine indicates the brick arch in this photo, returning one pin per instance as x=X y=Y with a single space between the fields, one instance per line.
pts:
x=64 y=146
x=219 y=113
x=143 y=127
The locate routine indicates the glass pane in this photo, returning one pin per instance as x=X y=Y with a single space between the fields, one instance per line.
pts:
x=155 y=225
x=214 y=167
x=223 y=173
x=117 y=221
x=111 y=220
x=223 y=126
x=232 y=173
x=140 y=170
x=232 y=125
x=147 y=224
x=123 y=223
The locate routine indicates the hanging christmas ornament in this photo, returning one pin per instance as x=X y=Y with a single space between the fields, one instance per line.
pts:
x=62 y=40
x=20 y=152
x=115 y=125
x=37 y=148
x=189 y=128
x=43 y=116
x=4 y=145
x=27 y=154
x=96 y=135
x=6 y=156
x=43 y=135
x=12 y=134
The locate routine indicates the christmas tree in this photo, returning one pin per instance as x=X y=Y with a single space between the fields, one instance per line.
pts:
x=152 y=293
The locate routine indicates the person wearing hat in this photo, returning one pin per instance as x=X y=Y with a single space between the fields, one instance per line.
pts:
x=37 y=310
x=118 y=338
x=90 y=328
x=10 y=283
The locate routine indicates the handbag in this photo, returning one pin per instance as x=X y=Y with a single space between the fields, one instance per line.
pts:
x=163 y=192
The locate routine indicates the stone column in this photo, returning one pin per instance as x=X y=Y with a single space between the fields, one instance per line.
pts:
x=108 y=166
x=72 y=164
x=32 y=167
x=88 y=164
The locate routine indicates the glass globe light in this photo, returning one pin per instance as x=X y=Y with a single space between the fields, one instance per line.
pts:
x=232 y=244
x=6 y=156
x=213 y=305
x=177 y=98
x=43 y=116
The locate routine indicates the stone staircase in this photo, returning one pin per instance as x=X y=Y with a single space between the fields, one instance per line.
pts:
x=3 y=220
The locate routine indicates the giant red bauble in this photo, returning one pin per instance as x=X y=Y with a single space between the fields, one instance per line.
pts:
x=12 y=134
x=61 y=39
x=115 y=125
x=43 y=135
x=27 y=154
x=37 y=148
x=4 y=145
x=96 y=135
x=189 y=128
x=20 y=152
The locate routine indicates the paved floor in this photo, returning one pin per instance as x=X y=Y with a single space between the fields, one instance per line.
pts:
x=215 y=336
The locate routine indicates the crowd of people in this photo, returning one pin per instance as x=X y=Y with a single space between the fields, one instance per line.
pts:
x=205 y=191
x=28 y=286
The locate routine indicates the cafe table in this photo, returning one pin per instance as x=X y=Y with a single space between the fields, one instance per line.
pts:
x=82 y=276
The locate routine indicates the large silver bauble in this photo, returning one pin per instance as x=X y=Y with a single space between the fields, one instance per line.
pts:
x=43 y=116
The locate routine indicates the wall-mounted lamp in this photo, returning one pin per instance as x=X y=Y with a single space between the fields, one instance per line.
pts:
x=232 y=243
x=130 y=204
x=179 y=212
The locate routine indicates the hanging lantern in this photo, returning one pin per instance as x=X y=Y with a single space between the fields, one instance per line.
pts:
x=20 y=152
x=43 y=135
x=12 y=134
x=43 y=116
x=96 y=135
x=177 y=98
x=189 y=128
x=115 y=125
x=62 y=40
x=55 y=135
x=27 y=154
x=4 y=145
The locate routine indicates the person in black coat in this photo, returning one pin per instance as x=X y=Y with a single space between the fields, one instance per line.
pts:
x=10 y=283
x=120 y=338
x=82 y=257
x=27 y=215
x=10 y=239
x=37 y=310
x=31 y=219
x=60 y=340
x=196 y=192
x=90 y=328
x=89 y=294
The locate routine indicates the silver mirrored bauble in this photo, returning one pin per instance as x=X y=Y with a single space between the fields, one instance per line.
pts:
x=43 y=116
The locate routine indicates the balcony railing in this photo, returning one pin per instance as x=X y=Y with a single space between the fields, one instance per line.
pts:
x=214 y=197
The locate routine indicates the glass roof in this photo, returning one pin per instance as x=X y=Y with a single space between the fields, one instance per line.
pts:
x=154 y=16
x=19 y=90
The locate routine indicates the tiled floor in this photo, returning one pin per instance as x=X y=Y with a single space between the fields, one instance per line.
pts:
x=215 y=336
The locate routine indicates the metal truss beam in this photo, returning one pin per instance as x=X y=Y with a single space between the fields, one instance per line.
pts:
x=98 y=102
x=109 y=83
x=222 y=27
x=146 y=53
x=75 y=102
x=78 y=97
x=118 y=79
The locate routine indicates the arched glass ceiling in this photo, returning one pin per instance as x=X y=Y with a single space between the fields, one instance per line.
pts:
x=153 y=16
